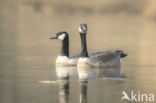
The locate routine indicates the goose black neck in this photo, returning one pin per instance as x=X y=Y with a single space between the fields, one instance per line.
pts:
x=65 y=47
x=84 y=52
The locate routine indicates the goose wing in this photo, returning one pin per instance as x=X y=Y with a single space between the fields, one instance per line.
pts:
x=105 y=56
x=104 y=53
x=107 y=53
x=109 y=58
x=90 y=54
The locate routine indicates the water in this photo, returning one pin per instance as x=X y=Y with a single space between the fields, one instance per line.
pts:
x=27 y=65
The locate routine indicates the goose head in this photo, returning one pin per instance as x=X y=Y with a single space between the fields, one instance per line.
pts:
x=83 y=28
x=60 y=35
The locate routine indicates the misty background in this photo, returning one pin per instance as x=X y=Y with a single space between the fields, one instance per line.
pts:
x=26 y=53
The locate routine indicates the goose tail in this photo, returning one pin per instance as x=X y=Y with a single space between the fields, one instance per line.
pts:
x=122 y=54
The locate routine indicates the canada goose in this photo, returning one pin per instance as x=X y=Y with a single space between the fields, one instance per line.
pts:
x=106 y=58
x=63 y=58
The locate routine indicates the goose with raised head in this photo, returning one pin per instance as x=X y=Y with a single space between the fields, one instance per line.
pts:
x=63 y=58
x=106 y=58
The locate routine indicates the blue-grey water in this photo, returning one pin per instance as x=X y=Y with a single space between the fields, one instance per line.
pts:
x=27 y=57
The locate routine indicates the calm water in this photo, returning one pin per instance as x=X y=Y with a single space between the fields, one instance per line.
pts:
x=27 y=57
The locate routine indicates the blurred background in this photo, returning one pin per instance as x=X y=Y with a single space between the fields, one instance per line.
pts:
x=26 y=26
x=27 y=54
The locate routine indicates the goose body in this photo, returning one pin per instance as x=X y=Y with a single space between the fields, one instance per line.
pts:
x=63 y=58
x=106 y=58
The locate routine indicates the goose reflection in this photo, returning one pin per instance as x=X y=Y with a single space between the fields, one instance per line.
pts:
x=110 y=72
x=84 y=74
x=83 y=91
x=63 y=74
x=89 y=72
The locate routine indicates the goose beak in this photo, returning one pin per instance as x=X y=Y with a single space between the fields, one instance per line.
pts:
x=53 y=37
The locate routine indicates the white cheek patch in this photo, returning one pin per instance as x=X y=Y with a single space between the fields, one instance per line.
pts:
x=82 y=31
x=62 y=36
